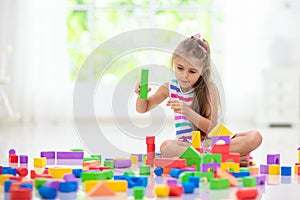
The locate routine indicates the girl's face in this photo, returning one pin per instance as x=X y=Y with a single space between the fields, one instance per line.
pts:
x=186 y=74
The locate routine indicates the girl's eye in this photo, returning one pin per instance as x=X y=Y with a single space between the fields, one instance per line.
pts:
x=193 y=72
x=180 y=68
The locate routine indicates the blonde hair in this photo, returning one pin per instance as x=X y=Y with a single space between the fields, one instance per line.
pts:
x=197 y=52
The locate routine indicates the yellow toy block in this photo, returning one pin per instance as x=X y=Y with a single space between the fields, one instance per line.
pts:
x=230 y=165
x=40 y=162
x=117 y=185
x=161 y=190
x=59 y=172
x=274 y=169
x=4 y=177
x=196 y=139
x=298 y=156
x=134 y=159
x=88 y=185
x=219 y=130
x=254 y=170
x=296 y=169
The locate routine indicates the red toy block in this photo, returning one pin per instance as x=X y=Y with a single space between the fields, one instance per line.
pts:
x=235 y=157
x=170 y=162
x=16 y=178
x=33 y=175
x=150 y=162
x=150 y=139
x=221 y=149
x=20 y=194
x=0 y=169
x=103 y=168
x=151 y=156
x=150 y=148
x=247 y=193
x=22 y=171
x=175 y=190
x=13 y=158
x=200 y=150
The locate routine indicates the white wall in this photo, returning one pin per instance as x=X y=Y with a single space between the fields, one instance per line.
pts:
x=260 y=35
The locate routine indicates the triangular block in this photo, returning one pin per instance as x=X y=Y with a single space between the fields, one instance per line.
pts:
x=101 y=189
x=219 y=130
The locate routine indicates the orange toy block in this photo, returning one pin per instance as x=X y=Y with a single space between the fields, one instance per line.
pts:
x=231 y=157
x=101 y=189
x=91 y=163
x=254 y=170
x=170 y=162
x=223 y=174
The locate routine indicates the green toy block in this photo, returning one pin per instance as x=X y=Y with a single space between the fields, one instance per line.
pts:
x=92 y=175
x=192 y=157
x=219 y=184
x=99 y=157
x=205 y=175
x=89 y=159
x=249 y=181
x=184 y=176
x=129 y=173
x=76 y=150
x=244 y=169
x=212 y=158
x=144 y=170
x=138 y=192
x=107 y=174
x=144 y=84
x=40 y=182
x=109 y=163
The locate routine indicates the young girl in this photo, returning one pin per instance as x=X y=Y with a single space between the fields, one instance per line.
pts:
x=194 y=98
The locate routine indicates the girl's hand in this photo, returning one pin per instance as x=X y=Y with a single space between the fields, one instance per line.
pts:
x=138 y=88
x=178 y=106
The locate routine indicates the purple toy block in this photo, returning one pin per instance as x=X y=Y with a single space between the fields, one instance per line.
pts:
x=69 y=161
x=215 y=139
x=69 y=155
x=69 y=177
x=206 y=166
x=48 y=154
x=23 y=159
x=172 y=181
x=140 y=157
x=273 y=159
x=12 y=151
x=189 y=169
x=122 y=163
x=264 y=169
x=53 y=184
x=260 y=179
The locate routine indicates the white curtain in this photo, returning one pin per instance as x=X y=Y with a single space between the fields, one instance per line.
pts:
x=40 y=86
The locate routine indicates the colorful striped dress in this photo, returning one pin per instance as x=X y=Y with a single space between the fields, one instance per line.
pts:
x=183 y=126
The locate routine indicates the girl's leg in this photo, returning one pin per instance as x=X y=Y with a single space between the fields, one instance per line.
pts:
x=245 y=142
x=173 y=148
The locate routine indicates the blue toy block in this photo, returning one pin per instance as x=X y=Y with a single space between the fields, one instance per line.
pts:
x=7 y=185
x=47 y=192
x=188 y=187
x=70 y=186
x=133 y=180
x=158 y=171
x=26 y=185
x=77 y=172
x=9 y=170
x=286 y=171
x=195 y=180
x=175 y=172
x=240 y=174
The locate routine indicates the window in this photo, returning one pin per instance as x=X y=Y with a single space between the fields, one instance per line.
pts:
x=91 y=22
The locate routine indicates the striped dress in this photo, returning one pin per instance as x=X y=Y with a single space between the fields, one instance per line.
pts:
x=183 y=126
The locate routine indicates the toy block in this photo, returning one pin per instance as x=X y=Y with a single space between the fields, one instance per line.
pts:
x=70 y=155
x=253 y=170
x=192 y=157
x=16 y=178
x=158 y=171
x=44 y=174
x=212 y=158
x=206 y=176
x=134 y=159
x=175 y=190
x=219 y=184
x=138 y=192
x=47 y=192
x=219 y=130
x=150 y=139
x=260 y=179
x=188 y=187
x=40 y=162
x=196 y=139
x=223 y=174
x=273 y=159
x=218 y=140
x=195 y=180
x=4 y=177
x=140 y=157
x=122 y=163
x=7 y=184
x=231 y=157
x=117 y=185
x=286 y=171
x=249 y=181
x=298 y=155
x=13 y=158
x=99 y=157
x=172 y=181
x=264 y=169
x=86 y=159
x=296 y=167
x=184 y=176
x=144 y=84
x=210 y=167
x=133 y=181
x=9 y=170
x=129 y=173
x=161 y=190
x=170 y=162
x=109 y=163
x=68 y=186
x=23 y=159
x=48 y=154
x=174 y=172
x=240 y=174
x=89 y=185
x=167 y=170
x=220 y=149
x=91 y=163
x=144 y=170
x=11 y=151
x=59 y=172
x=20 y=194
x=22 y=171
x=274 y=169
x=150 y=162
x=40 y=182
x=247 y=193
x=230 y=165
x=69 y=177
x=0 y=169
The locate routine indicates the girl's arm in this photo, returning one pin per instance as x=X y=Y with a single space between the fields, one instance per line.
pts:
x=203 y=123
x=144 y=105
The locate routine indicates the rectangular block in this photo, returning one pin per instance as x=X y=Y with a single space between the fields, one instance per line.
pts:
x=59 y=172
x=48 y=154
x=134 y=159
x=220 y=140
x=264 y=169
x=40 y=162
x=118 y=185
x=221 y=149
x=144 y=84
x=274 y=169
x=170 y=162
x=69 y=155
x=273 y=159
